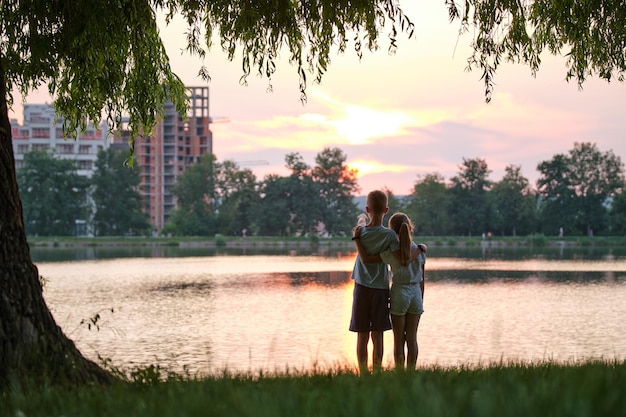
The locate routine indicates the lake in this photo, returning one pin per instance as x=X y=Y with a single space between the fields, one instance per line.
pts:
x=205 y=311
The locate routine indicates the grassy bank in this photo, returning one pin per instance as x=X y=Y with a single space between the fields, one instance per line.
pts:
x=546 y=389
x=271 y=241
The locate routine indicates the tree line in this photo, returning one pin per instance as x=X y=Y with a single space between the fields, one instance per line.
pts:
x=213 y=197
x=580 y=191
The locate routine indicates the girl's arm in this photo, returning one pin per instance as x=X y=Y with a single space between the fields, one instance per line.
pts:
x=423 y=279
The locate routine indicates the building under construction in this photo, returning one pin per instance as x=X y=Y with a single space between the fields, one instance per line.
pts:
x=175 y=143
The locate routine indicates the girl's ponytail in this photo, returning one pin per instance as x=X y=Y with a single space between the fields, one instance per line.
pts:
x=405 y=243
x=401 y=224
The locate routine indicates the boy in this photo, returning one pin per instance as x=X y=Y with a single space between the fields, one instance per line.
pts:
x=370 y=303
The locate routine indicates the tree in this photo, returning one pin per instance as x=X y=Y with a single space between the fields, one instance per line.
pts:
x=469 y=206
x=576 y=188
x=394 y=204
x=305 y=206
x=53 y=194
x=556 y=197
x=617 y=215
x=596 y=177
x=96 y=56
x=589 y=34
x=337 y=185
x=274 y=212
x=237 y=194
x=428 y=206
x=118 y=203
x=196 y=200
x=515 y=204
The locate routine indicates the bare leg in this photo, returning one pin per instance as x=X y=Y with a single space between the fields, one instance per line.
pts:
x=377 y=341
x=398 y=325
x=361 y=351
x=412 y=321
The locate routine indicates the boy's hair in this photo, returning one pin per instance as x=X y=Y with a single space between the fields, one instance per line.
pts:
x=377 y=201
x=402 y=225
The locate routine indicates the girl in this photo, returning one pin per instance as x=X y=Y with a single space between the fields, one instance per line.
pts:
x=407 y=289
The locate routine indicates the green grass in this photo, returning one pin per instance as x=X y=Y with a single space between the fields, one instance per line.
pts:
x=592 y=388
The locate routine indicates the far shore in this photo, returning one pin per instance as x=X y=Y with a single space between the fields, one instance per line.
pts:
x=334 y=242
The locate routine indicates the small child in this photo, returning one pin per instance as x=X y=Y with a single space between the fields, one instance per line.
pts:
x=370 y=305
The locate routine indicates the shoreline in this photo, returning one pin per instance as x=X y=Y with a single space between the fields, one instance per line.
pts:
x=308 y=242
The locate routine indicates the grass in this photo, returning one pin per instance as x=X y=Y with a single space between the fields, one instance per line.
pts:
x=591 y=388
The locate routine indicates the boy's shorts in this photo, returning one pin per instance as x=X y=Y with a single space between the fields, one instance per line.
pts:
x=370 y=310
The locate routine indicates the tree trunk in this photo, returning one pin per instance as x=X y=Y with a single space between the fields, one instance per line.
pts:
x=32 y=346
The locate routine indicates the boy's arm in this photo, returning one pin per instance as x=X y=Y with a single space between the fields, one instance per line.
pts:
x=365 y=257
x=415 y=251
x=396 y=254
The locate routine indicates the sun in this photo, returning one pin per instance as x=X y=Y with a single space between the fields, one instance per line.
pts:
x=358 y=125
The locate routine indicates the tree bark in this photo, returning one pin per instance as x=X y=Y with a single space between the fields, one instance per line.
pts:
x=32 y=346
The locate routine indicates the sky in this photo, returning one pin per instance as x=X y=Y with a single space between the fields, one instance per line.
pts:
x=398 y=117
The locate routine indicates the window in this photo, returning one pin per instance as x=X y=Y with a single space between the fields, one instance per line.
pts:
x=40 y=147
x=84 y=149
x=87 y=165
x=22 y=148
x=41 y=132
x=65 y=149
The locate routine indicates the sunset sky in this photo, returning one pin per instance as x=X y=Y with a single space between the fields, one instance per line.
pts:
x=400 y=116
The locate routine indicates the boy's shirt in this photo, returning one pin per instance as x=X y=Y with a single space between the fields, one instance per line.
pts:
x=375 y=240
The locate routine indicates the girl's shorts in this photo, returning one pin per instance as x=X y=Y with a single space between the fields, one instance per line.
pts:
x=406 y=299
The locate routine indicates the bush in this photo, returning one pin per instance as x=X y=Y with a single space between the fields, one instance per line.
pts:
x=220 y=241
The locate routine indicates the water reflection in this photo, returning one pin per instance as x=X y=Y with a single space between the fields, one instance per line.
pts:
x=487 y=276
x=248 y=313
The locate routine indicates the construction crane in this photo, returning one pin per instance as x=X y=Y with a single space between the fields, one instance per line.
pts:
x=218 y=119
x=252 y=163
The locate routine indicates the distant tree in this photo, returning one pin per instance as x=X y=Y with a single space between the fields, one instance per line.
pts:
x=597 y=177
x=617 y=215
x=304 y=199
x=337 y=184
x=428 y=206
x=469 y=206
x=274 y=215
x=53 y=194
x=118 y=203
x=575 y=189
x=556 y=196
x=515 y=204
x=196 y=203
x=237 y=196
x=394 y=204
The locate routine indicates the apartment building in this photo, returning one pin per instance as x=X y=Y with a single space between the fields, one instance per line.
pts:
x=42 y=129
x=175 y=143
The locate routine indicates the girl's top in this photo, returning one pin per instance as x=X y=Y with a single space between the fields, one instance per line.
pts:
x=400 y=274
